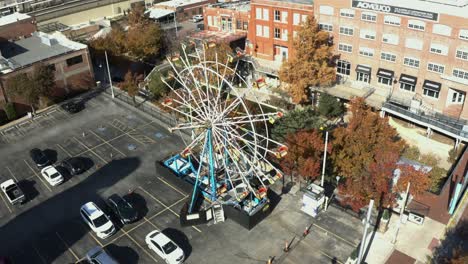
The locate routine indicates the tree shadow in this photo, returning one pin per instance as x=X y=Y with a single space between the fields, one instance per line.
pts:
x=51 y=155
x=180 y=239
x=138 y=202
x=29 y=189
x=87 y=163
x=454 y=245
x=123 y=254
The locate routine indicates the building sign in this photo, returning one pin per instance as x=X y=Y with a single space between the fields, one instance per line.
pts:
x=395 y=10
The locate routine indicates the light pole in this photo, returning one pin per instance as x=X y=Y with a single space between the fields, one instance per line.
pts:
x=402 y=212
x=324 y=157
x=108 y=72
x=364 y=235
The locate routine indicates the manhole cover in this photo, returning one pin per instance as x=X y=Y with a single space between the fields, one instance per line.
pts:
x=102 y=128
x=131 y=147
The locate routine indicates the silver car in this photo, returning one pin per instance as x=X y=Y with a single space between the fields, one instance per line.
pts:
x=98 y=255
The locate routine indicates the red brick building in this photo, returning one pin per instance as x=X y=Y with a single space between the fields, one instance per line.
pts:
x=273 y=25
x=15 y=26
x=230 y=17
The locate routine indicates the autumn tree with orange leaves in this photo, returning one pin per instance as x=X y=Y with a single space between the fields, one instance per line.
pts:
x=365 y=153
x=312 y=63
x=419 y=178
x=305 y=151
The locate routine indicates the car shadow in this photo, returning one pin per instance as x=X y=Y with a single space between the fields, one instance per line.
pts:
x=51 y=155
x=180 y=239
x=87 y=163
x=64 y=172
x=138 y=202
x=123 y=254
x=29 y=189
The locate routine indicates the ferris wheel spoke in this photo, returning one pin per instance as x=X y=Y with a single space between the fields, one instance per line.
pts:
x=236 y=137
x=183 y=113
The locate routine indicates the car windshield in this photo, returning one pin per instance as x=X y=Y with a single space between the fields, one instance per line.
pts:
x=55 y=175
x=100 y=221
x=169 y=247
x=124 y=207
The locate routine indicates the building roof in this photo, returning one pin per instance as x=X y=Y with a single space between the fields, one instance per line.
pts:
x=156 y=13
x=36 y=48
x=235 y=5
x=5 y=20
x=303 y=2
x=178 y=3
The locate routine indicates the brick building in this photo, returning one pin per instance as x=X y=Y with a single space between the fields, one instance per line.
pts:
x=15 y=26
x=273 y=24
x=230 y=17
x=70 y=60
x=413 y=53
x=185 y=9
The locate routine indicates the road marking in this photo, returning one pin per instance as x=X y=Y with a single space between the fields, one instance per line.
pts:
x=97 y=155
x=151 y=217
x=323 y=252
x=64 y=150
x=151 y=223
x=142 y=248
x=67 y=246
x=337 y=236
x=156 y=199
x=40 y=179
x=127 y=133
x=107 y=143
x=39 y=254
x=170 y=185
x=5 y=201
x=11 y=173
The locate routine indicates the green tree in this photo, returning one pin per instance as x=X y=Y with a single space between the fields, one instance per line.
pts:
x=10 y=111
x=22 y=85
x=312 y=63
x=329 y=106
x=294 y=121
x=156 y=86
x=144 y=41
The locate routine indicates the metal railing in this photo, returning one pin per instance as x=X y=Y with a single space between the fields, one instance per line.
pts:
x=430 y=120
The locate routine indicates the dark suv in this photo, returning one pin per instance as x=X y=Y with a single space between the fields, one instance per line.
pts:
x=39 y=157
x=122 y=209
x=73 y=165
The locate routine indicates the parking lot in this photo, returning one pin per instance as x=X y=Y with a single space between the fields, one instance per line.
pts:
x=122 y=146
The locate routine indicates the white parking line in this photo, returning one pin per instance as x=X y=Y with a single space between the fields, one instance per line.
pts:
x=6 y=204
x=142 y=248
x=90 y=150
x=156 y=199
x=64 y=150
x=127 y=133
x=335 y=235
x=170 y=185
x=12 y=175
x=40 y=179
x=103 y=140
x=67 y=246
x=39 y=254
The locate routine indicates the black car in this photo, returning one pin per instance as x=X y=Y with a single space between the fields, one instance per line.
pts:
x=39 y=157
x=122 y=209
x=73 y=107
x=73 y=165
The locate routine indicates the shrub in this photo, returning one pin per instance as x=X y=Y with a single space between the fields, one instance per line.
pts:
x=10 y=111
x=411 y=153
x=454 y=154
x=386 y=214
x=329 y=106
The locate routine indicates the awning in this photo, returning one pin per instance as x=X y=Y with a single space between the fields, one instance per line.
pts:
x=408 y=79
x=433 y=86
x=385 y=73
x=364 y=69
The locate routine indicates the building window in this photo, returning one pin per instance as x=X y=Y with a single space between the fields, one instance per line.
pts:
x=392 y=20
x=326 y=10
x=345 y=47
x=438 y=49
x=413 y=43
x=296 y=19
x=266 y=14
x=416 y=24
x=460 y=74
x=348 y=13
x=346 y=31
x=277 y=15
x=462 y=54
x=442 y=30
x=430 y=93
x=343 y=67
x=463 y=34
x=434 y=67
x=412 y=62
x=284 y=16
x=326 y=27
x=390 y=39
x=388 y=57
x=367 y=52
x=284 y=34
x=407 y=87
x=258 y=13
x=266 y=31
x=384 y=81
x=238 y=24
x=259 y=31
x=457 y=96
x=75 y=60
x=277 y=33
x=210 y=21
x=367 y=34
x=371 y=17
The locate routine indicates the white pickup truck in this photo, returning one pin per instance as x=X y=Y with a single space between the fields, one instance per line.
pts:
x=13 y=192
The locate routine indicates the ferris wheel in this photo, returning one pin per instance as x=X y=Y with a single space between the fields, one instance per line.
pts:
x=226 y=157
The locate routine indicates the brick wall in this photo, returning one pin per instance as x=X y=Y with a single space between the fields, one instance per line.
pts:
x=14 y=31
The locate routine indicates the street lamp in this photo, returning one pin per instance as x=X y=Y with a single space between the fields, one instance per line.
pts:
x=108 y=72
x=324 y=157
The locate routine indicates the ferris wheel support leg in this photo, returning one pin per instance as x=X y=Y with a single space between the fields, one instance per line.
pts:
x=211 y=163
x=197 y=177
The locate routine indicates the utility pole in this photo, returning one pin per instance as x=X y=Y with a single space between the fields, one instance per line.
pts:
x=402 y=212
x=324 y=159
x=364 y=235
x=110 y=79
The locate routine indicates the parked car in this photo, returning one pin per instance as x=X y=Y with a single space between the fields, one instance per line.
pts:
x=122 y=209
x=39 y=157
x=97 y=220
x=73 y=106
x=164 y=247
x=197 y=18
x=52 y=175
x=73 y=165
x=13 y=192
x=98 y=255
